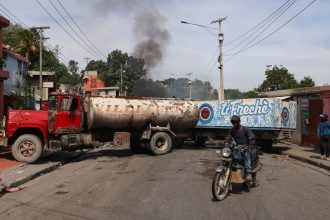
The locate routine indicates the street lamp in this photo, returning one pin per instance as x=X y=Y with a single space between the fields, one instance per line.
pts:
x=221 y=39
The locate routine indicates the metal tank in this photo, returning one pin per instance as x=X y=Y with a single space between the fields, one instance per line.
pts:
x=130 y=113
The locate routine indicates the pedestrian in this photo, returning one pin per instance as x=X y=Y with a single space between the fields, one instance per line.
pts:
x=323 y=133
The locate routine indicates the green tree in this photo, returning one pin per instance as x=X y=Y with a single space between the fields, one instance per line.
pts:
x=118 y=65
x=24 y=41
x=250 y=94
x=100 y=66
x=278 y=78
x=233 y=94
x=307 y=81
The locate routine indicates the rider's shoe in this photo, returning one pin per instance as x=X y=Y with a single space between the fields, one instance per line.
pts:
x=249 y=177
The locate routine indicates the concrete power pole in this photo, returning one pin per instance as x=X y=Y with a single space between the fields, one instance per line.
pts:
x=189 y=83
x=40 y=30
x=221 y=39
x=87 y=60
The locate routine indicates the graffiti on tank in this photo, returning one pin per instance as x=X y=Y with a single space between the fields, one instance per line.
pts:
x=229 y=108
x=259 y=113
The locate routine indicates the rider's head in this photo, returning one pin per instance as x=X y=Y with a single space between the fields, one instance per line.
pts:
x=236 y=121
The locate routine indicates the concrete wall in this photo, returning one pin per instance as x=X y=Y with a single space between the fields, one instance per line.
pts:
x=326 y=103
x=296 y=136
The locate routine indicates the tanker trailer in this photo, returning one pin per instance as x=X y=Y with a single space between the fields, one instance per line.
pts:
x=153 y=122
x=76 y=123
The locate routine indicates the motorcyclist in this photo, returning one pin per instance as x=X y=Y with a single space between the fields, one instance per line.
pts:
x=242 y=136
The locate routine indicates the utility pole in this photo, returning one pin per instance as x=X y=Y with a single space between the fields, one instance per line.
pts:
x=121 y=79
x=87 y=60
x=220 y=60
x=221 y=39
x=40 y=30
x=189 y=83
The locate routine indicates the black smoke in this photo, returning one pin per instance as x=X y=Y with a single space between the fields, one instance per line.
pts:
x=152 y=37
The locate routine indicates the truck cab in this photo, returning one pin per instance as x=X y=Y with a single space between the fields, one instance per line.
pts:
x=65 y=114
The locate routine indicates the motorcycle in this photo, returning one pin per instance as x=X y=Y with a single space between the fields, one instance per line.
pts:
x=232 y=169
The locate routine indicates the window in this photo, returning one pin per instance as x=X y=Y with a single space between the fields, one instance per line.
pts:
x=74 y=105
x=69 y=104
x=52 y=103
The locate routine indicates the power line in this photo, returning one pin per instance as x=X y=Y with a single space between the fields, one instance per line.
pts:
x=20 y=23
x=13 y=15
x=75 y=30
x=271 y=22
x=73 y=38
x=79 y=27
x=211 y=64
x=239 y=37
x=273 y=32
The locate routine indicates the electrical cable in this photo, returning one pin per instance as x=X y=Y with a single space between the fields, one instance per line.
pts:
x=273 y=32
x=95 y=52
x=64 y=28
x=230 y=42
x=79 y=28
x=268 y=23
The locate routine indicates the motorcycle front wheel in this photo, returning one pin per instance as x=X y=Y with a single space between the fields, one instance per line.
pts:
x=219 y=187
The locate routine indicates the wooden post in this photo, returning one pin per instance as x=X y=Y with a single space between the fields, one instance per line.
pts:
x=3 y=74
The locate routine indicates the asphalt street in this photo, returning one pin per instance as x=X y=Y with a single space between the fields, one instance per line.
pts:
x=116 y=184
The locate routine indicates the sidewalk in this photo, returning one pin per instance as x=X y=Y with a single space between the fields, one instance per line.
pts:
x=13 y=173
x=6 y=159
x=306 y=154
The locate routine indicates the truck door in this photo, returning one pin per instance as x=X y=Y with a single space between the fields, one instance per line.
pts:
x=68 y=119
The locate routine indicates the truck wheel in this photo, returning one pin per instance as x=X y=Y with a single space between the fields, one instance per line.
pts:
x=160 y=143
x=27 y=148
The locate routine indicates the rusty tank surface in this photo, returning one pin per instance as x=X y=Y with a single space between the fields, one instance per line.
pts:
x=123 y=113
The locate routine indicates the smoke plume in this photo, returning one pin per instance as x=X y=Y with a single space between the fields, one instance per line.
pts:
x=152 y=37
x=149 y=29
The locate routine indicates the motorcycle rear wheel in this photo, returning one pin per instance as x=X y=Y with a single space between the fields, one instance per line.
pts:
x=219 y=187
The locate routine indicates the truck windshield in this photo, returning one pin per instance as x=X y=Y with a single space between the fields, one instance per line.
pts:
x=53 y=103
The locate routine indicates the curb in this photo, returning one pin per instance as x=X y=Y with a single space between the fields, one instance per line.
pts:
x=312 y=162
x=39 y=173
x=303 y=159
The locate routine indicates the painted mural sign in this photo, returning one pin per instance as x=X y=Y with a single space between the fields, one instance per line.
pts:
x=255 y=113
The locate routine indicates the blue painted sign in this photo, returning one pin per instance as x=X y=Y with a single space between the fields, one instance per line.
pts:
x=255 y=113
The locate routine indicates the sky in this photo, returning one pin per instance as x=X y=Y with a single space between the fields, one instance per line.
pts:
x=302 y=45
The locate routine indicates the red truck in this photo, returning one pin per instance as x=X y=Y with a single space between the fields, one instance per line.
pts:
x=73 y=122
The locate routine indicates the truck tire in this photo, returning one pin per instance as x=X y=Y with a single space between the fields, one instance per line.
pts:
x=160 y=143
x=27 y=148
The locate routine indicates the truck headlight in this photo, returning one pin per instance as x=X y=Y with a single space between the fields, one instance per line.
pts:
x=226 y=152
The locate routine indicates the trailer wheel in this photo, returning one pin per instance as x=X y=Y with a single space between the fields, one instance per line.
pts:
x=27 y=148
x=160 y=143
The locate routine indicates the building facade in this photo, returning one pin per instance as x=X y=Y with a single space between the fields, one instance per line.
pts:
x=312 y=102
x=16 y=66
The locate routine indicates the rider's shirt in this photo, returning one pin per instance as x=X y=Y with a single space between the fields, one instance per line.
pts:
x=242 y=135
